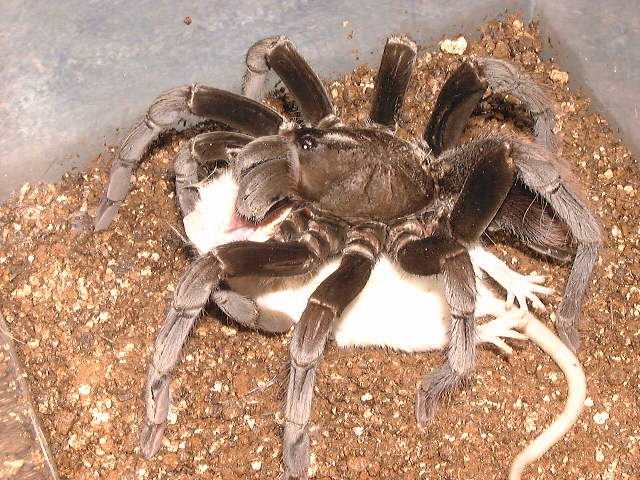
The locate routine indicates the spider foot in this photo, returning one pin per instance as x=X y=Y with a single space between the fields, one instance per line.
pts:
x=568 y=331
x=504 y=326
x=157 y=399
x=295 y=453
x=151 y=438
x=435 y=387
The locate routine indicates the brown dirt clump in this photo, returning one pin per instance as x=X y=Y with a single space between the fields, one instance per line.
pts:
x=84 y=311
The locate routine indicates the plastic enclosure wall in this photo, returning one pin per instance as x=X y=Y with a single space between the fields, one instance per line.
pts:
x=76 y=74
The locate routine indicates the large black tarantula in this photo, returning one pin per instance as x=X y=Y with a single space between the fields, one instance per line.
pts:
x=360 y=193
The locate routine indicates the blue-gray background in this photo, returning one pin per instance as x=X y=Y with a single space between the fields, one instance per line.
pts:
x=76 y=73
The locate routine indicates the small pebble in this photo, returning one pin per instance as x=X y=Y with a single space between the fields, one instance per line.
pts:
x=75 y=442
x=251 y=423
x=170 y=460
x=241 y=384
x=601 y=418
x=501 y=50
x=229 y=331
x=530 y=422
x=357 y=464
x=559 y=76
x=229 y=412
x=615 y=376
x=256 y=466
x=172 y=415
x=454 y=47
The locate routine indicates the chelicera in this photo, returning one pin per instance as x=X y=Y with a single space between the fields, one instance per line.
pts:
x=359 y=194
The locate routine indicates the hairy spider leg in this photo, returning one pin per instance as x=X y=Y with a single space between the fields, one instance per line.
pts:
x=484 y=190
x=310 y=335
x=543 y=173
x=540 y=169
x=504 y=78
x=200 y=281
x=392 y=80
x=456 y=101
x=307 y=346
x=279 y=54
x=464 y=89
x=534 y=222
x=166 y=111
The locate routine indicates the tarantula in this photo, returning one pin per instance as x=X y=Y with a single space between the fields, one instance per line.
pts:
x=365 y=322
x=360 y=194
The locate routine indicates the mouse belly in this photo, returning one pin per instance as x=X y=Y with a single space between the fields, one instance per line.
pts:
x=395 y=310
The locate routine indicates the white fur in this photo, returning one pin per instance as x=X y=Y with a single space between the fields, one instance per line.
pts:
x=206 y=226
x=396 y=309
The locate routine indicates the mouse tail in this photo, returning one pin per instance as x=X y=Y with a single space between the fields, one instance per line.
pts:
x=549 y=342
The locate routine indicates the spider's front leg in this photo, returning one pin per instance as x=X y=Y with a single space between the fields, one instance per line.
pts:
x=484 y=190
x=279 y=54
x=201 y=280
x=392 y=80
x=310 y=335
x=173 y=106
x=463 y=91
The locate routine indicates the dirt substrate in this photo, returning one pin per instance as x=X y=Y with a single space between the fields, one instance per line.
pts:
x=84 y=310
